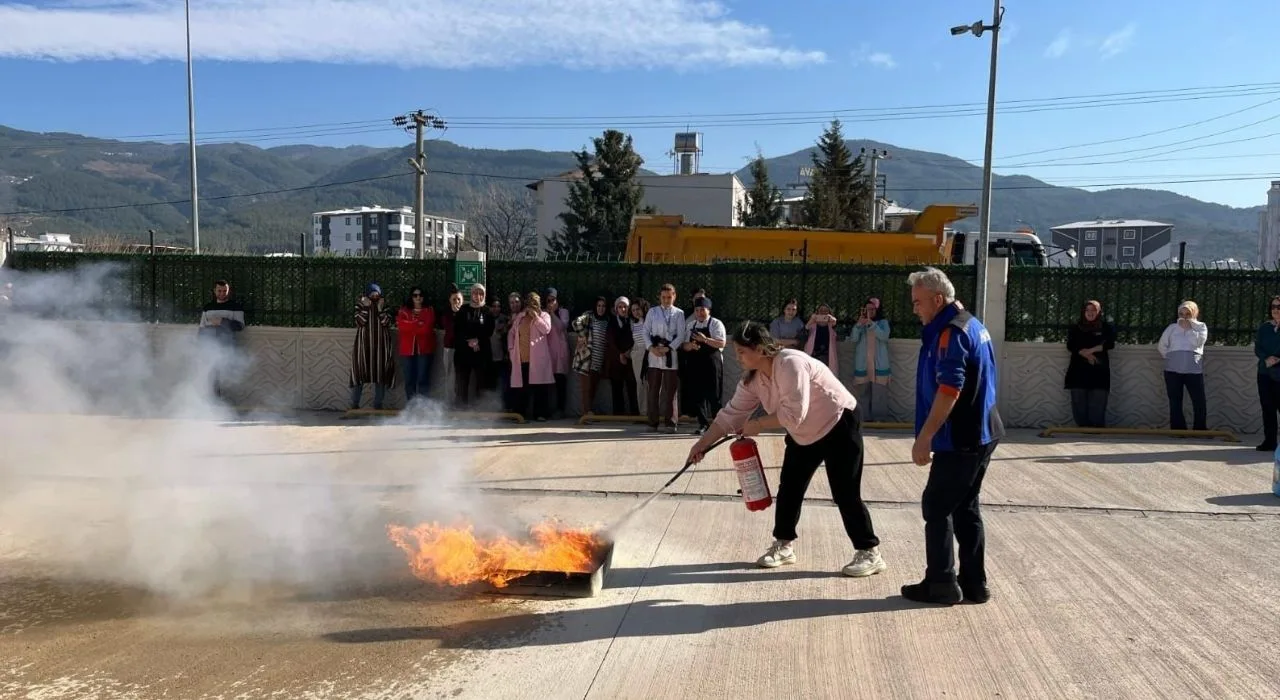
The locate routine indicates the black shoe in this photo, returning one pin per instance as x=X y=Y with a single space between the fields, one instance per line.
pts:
x=1266 y=447
x=978 y=594
x=939 y=593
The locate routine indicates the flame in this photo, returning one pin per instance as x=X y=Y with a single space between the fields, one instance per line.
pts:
x=454 y=556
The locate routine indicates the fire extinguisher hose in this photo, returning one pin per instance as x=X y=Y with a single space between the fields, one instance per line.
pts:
x=611 y=532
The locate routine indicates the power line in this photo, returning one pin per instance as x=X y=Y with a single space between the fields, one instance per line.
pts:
x=869 y=114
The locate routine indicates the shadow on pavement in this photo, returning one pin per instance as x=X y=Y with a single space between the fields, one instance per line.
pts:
x=1246 y=499
x=735 y=572
x=647 y=618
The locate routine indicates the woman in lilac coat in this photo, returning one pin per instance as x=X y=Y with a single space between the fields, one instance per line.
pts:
x=529 y=344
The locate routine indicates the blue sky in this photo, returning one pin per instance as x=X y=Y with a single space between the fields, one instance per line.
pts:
x=114 y=68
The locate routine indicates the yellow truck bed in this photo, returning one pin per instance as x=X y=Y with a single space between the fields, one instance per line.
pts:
x=663 y=238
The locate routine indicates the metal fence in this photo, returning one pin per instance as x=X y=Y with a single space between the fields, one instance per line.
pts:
x=1044 y=302
x=298 y=291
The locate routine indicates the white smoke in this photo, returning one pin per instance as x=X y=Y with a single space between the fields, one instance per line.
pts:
x=118 y=463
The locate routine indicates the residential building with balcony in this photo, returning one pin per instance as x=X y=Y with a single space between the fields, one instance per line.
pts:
x=1120 y=243
x=383 y=232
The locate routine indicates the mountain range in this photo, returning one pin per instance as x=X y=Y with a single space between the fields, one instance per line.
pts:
x=260 y=200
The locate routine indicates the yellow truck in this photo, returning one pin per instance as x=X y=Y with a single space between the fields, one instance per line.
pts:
x=922 y=239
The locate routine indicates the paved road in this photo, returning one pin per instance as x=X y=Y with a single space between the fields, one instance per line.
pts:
x=188 y=560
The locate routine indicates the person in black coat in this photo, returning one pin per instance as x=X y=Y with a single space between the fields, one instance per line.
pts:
x=473 y=325
x=617 y=360
x=1088 y=378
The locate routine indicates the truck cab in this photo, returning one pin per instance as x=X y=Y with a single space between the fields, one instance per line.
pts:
x=1022 y=247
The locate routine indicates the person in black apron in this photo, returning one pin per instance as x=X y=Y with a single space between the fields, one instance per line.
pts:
x=702 y=350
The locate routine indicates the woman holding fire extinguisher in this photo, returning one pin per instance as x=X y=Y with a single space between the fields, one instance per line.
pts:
x=823 y=423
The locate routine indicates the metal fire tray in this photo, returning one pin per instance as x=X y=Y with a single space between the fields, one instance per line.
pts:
x=558 y=584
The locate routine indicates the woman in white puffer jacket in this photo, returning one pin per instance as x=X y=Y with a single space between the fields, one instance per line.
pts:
x=1182 y=347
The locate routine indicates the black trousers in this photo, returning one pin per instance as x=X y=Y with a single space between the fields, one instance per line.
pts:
x=464 y=373
x=952 y=515
x=1269 y=401
x=536 y=394
x=1089 y=407
x=841 y=450
x=622 y=384
x=1174 y=383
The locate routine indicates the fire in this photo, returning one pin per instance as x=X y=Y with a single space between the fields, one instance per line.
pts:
x=454 y=556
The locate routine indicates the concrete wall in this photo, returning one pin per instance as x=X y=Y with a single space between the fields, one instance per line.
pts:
x=307 y=368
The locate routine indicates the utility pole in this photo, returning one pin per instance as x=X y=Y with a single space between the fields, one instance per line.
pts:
x=421 y=120
x=984 y=226
x=191 y=138
x=877 y=155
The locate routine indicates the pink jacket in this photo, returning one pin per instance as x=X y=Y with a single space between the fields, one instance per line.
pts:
x=539 y=351
x=559 y=342
x=831 y=346
x=806 y=397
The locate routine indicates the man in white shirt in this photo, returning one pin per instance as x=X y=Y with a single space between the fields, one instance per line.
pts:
x=663 y=333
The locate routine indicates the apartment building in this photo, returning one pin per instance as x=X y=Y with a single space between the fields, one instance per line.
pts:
x=1122 y=243
x=1269 y=229
x=383 y=232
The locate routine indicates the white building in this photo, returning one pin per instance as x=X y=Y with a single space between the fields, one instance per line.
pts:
x=47 y=242
x=1269 y=229
x=1122 y=243
x=383 y=232
x=702 y=198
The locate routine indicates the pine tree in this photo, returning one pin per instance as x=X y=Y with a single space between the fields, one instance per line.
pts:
x=601 y=203
x=839 y=192
x=763 y=205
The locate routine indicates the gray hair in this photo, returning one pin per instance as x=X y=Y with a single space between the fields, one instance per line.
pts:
x=934 y=280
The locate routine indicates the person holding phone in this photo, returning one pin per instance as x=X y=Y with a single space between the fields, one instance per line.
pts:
x=821 y=341
x=824 y=426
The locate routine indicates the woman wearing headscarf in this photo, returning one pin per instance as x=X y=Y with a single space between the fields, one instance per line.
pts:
x=871 y=371
x=639 y=352
x=1266 y=346
x=619 y=341
x=1090 y=342
x=588 y=357
x=373 y=354
x=1182 y=347
x=821 y=343
x=558 y=342
x=528 y=345
x=472 y=327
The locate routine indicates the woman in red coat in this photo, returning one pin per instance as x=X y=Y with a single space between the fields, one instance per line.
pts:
x=416 y=323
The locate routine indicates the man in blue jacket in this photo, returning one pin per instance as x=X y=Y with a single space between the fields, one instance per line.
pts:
x=957 y=429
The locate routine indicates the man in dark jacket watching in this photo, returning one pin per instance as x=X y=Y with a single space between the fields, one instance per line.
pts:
x=221 y=321
x=957 y=429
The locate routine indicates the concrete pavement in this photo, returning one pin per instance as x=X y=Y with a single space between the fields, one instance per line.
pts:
x=1118 y=570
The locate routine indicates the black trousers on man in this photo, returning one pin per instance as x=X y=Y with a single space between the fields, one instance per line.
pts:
x=1269 y=402
x=841 y=450
x=952 y=514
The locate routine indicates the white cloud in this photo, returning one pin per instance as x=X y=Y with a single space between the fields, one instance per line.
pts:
x=881 y=59
x=1060 y=45
x=450 y=34
x=1117 y=43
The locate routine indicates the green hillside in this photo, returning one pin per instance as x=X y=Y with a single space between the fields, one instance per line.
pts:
x=56 y=171
x=918 y=178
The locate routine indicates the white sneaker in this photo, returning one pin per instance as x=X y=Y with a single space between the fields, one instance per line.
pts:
x=779 y=553
x=865 y=563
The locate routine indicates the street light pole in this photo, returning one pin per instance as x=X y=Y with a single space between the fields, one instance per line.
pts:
x=191 y=138
x=982 y=249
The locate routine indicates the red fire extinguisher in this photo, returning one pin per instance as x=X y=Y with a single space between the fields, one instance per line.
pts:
x=746 y=461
